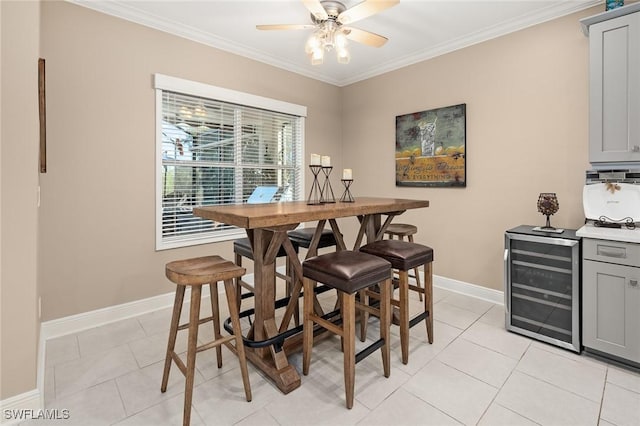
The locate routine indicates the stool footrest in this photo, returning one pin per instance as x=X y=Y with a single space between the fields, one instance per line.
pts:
x=217 y=342
x=418 y=318
x=202 y=321
x=278 y=339
x=369 y=350
x=327 y=325
x=179 y=363
x=416 y=288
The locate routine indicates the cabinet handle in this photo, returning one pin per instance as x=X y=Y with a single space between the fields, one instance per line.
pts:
x=608 y=251
x=633 y=283
x=636 y=148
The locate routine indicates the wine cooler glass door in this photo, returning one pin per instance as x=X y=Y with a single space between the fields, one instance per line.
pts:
x=542 y=277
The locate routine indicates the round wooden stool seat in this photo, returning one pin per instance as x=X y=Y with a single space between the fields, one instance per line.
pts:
x=202 y=270
x=196 y=273
x=401 y=229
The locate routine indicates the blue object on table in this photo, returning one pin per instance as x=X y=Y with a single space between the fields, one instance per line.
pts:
x=613 y=4
x=262 y=194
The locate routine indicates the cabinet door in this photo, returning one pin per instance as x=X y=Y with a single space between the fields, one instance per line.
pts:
x=611 y=309
x=614 y=133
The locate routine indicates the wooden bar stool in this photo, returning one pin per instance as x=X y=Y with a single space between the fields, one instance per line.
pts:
x=400 y=231
x=347 y=272
x=405 y=256
x=304 y=236
x=242 y=248
x=195 y=273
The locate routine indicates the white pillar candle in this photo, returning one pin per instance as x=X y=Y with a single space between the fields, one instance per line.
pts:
x=326 y=161
x=347 y=174
x=315 y=160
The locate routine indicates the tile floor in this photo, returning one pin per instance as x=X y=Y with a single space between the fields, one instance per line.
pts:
x=475 y=373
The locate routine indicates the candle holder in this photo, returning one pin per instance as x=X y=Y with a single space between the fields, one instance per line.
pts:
x=346 y=195
x=315 y=195
x=326 y=194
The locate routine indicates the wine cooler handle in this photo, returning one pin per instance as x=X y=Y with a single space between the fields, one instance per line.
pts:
x=507 y=290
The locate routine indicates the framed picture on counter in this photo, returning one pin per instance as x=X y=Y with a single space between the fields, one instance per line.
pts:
x=431 y=148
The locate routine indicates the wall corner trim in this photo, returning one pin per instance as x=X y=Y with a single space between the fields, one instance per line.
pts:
x=20 y=405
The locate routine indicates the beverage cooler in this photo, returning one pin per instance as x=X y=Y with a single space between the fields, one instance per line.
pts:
x=542 y=285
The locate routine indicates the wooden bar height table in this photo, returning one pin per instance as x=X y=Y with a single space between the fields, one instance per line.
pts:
x=266 y=226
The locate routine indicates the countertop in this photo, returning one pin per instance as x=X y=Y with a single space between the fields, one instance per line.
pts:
x=612 y=234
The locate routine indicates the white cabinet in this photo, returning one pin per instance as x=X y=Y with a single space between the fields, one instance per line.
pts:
x=614 y=89
x=611 y=299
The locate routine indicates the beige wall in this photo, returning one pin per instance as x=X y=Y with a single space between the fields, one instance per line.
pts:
x=526 y=97
x=19 y=324
x=98 y=196
x=527 y=132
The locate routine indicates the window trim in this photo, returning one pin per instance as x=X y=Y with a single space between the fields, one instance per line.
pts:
x=168 y=83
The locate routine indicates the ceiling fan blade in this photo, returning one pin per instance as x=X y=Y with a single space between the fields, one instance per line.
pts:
x=364 y=10
x=364 y=37
x=316 y=9
x=285 y=27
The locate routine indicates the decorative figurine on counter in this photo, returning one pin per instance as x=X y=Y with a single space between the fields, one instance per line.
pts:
x=548 y=205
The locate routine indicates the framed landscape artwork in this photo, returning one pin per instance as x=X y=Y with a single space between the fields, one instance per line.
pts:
x=431 y=148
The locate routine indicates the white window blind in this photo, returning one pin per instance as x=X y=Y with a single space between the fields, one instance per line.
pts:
x=212 y=152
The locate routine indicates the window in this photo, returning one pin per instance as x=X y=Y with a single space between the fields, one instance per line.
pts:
x=215 y=146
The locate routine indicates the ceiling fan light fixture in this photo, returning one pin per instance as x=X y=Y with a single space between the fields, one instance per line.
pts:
x=328 y=18
x=343 y=55
x=313 y=42
x=317 y=56
x=340 y=40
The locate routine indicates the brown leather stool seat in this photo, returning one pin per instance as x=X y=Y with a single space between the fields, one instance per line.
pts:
x=242 y=247
x=304 y=236
x=404 y=256
x=195 y=273
x=347 y=272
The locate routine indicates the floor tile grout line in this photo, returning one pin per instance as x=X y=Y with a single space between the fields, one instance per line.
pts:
x=124 y=407
x=604 y=389
x=618 y=385
x=519 y=414
x=556 y=386
x=502 y=386
x=427 y=402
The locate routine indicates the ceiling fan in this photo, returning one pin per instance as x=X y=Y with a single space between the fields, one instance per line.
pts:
x=329 y=22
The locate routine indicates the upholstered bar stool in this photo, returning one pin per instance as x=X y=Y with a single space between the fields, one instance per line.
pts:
x=347 y=272
x=405 y=256
x=304 y=236
x=242 y=248
x=400 y=231
x=195 y=273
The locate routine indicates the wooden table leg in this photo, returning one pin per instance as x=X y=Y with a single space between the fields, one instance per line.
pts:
x=273 y=363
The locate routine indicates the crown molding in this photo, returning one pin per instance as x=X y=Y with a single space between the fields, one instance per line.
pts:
x=121 y=9
x=548 y=14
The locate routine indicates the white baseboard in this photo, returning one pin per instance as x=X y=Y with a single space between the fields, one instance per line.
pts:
x=75 y=323
x=468 y=289
x=15 y=409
